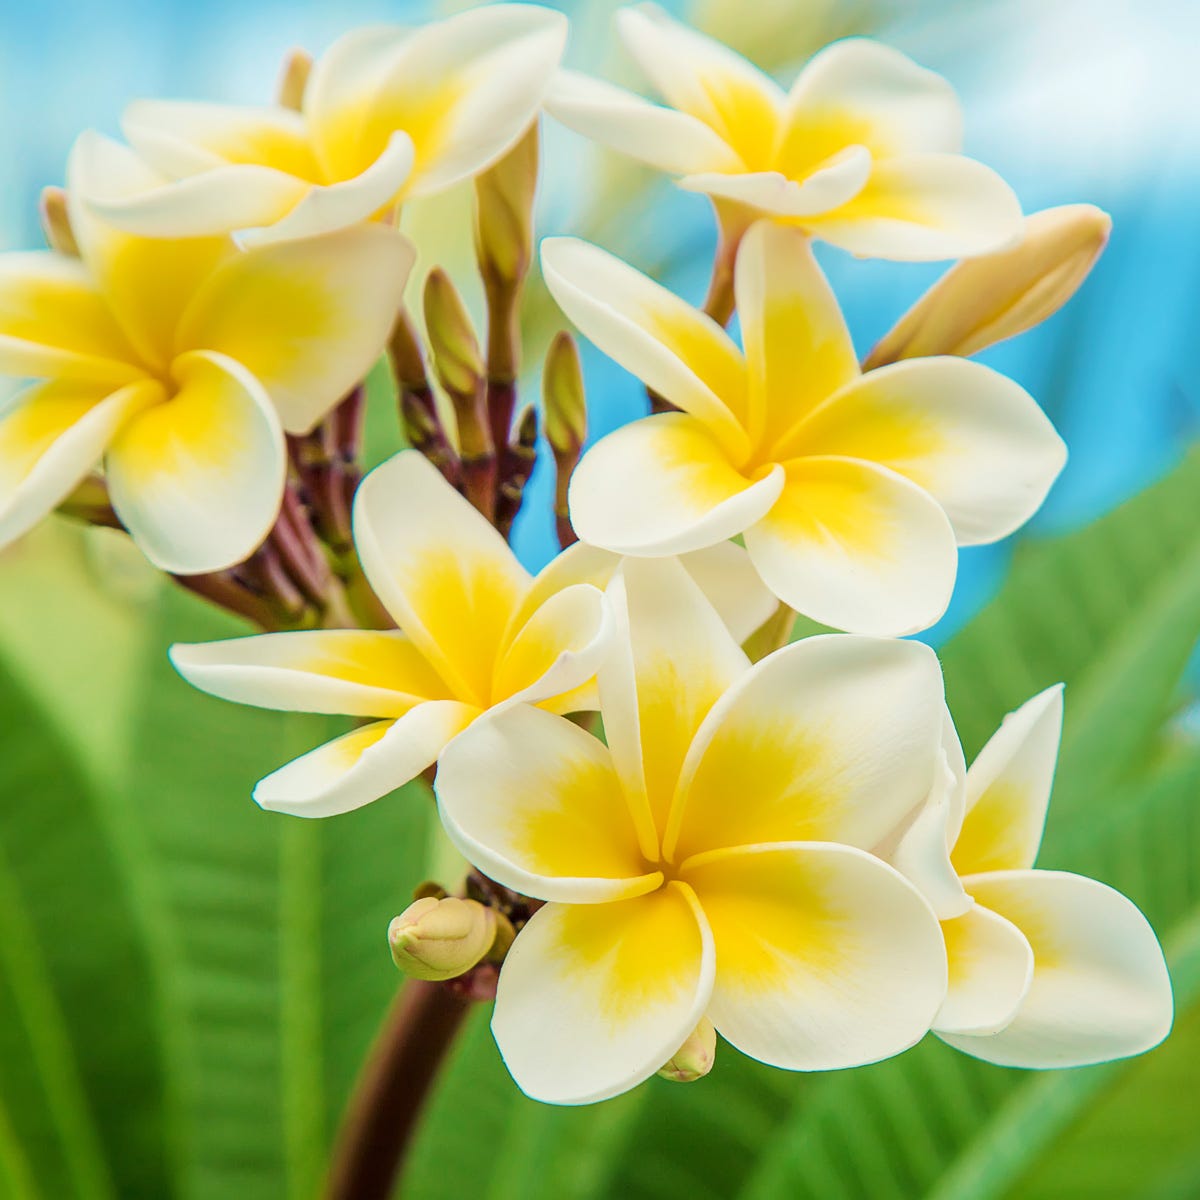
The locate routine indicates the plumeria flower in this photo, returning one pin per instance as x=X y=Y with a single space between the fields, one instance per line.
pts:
x=863 y=152
x=1047 y=969
x=178 y=364
x=475 y=630
x=710 y=861
x=388 y=115
x=851 y=489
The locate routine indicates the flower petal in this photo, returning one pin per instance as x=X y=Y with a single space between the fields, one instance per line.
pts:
x=1100 y=986
x=860 y=92
x=774 y=194
x=826 y=957
x=667 y=139
x=924 y=207
x=464 y=89
x=535 y=802
x=974 y=440
x=198 y=480
x=365 y=764
x=798 y=349
x=699 y=76
x=833 y=738
x=857 y=547
x=674 y=349
x=358 y=672
x=54 y=323
x=594 y=998
x=1008 y=789
x=663 y=485
x=307 y=318
x=146 y=281
x=447 y=577
x=672 y=659
x=51 y=436
x=557 y=651
x=991 y=968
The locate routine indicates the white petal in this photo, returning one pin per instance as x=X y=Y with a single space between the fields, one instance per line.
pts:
x=534 y=801
x=364 y=765
x=1100 y=986
x=1008 y=789
x=774 y=194
x=663 y=485
x=449 y=580
x=857 y=547
x=356 y=672
x=732 y=586
x=671 y=347
x=833 y=738
x=973 y=439
x=826 y=957
x=594 y=998
x=307 y=318
x=198 y=480
x=663 y=137
x=51 y=436
x=991 y=968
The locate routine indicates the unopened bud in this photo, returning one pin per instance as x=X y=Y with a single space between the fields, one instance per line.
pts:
x=56 y=224
x=442 y=938
x=504 y=195
x=452 y=340
x=293 y=79
x=694 y=1059
x=981 y=301
x=563 y=400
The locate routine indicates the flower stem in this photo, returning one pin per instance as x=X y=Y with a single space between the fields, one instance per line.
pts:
x=391 y=1091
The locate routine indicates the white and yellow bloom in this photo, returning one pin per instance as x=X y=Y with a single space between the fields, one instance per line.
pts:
x=710 y=861
x=178 y=364
x=1047 y=968
x=851 y=489
x=474 y=630
x=388 y=114
x=864 y=151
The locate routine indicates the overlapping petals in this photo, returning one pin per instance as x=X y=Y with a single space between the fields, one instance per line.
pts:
x=388 y=114
x=864 y=151
x=667 y=901
x=466 y=641
x=177 y=364
x=852 y=490
x=1047 y=969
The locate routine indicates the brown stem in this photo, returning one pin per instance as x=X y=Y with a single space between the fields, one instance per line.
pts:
x=564 y=465
x=378 y=1127
x=226 y=592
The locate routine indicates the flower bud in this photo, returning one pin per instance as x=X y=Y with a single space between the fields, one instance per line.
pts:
x=452 y=339
x=439 y=939
x=56 y=224
x=293 y=79
x=504 y=196
x=981 y=301
x=694 y=1059
x=563 y=400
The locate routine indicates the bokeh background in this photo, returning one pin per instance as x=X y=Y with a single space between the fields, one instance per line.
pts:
x=187 y=985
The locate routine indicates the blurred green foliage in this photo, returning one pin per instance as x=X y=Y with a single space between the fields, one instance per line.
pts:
x=188 y=985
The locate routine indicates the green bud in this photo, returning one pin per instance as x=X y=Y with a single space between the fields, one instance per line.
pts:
x=441 y=938
x=694 y=1059
x=563 y=399
x=293 y=79
x=504 y=195
x=452 y=340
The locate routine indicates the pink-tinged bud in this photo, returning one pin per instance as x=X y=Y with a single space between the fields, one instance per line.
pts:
x=441 y=938
x=56 y=224
x=293 y=79
x=981 y=301
x=694 y=1059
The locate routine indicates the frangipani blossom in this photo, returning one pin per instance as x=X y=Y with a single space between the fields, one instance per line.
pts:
x=1047 y=968
x=474 y=630
x=710 y=861
x=851 y=489
x=863 y=152
x=178 y=364
x=388 y=114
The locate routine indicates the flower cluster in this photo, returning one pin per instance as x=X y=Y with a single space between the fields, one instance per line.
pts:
x=678 y=824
